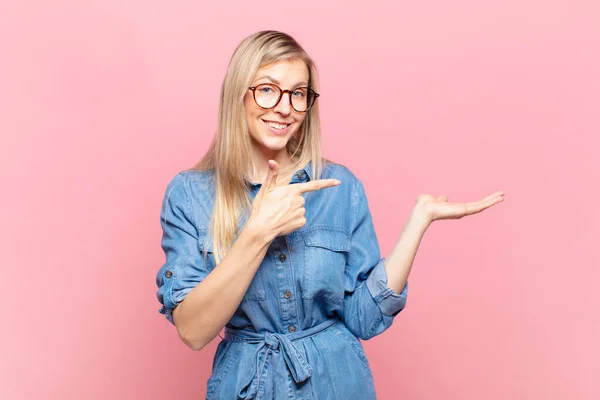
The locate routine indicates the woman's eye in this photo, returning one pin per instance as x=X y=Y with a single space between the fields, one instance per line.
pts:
x=298 y=93
x=266 y=89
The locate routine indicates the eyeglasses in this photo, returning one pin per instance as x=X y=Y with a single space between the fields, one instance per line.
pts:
x=268 y=95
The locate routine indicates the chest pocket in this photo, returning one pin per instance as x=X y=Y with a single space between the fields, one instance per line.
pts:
x=325 y=254
x=256 y=291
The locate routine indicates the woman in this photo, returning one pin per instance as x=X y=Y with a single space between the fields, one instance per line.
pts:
x=275 y=244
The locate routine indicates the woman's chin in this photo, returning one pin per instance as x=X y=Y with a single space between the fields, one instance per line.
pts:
x=270 y=143
x=274 y=144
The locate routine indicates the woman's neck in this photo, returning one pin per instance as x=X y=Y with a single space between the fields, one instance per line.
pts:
x=262 y=167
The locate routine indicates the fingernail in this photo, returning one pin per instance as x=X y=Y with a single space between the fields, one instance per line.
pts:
x=337 y=181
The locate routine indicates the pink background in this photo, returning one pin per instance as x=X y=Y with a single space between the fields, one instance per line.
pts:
x=103 y=102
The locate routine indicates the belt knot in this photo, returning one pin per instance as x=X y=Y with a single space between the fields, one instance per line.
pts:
x=266 y=344
x=272 y=340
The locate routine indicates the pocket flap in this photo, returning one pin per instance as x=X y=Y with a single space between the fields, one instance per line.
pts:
x=328 y=238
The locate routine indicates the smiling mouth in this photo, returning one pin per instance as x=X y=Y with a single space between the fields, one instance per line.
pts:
x=276 y=125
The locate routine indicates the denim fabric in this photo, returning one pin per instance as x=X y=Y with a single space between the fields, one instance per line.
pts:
x=319 y=289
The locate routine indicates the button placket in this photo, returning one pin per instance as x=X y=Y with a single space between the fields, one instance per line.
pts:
x=281 y=256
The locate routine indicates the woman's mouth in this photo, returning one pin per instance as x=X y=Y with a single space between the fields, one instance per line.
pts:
x=277 y=128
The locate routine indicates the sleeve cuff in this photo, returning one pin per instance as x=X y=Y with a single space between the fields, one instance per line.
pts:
x=167 y=312
x=390 y=303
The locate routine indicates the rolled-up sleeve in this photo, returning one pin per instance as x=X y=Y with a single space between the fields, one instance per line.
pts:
x=185 y=266
x=369 y=304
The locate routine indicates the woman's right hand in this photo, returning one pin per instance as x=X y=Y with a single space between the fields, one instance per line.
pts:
x=279 y=210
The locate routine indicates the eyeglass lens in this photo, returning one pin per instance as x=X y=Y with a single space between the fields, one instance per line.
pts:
x=266 y=96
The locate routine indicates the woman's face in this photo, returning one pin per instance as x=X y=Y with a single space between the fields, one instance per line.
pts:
x=270 y=130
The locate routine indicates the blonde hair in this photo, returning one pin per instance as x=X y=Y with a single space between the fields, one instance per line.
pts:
x=229 y=154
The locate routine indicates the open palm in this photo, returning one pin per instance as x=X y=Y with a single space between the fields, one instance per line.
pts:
x=435 y=208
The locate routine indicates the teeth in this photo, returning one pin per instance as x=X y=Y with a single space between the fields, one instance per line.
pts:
x=275 y=125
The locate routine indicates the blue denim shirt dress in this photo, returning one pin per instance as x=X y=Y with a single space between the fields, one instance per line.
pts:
x=295 y=335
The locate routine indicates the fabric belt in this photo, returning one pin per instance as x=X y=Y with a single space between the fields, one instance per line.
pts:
x=267 y=342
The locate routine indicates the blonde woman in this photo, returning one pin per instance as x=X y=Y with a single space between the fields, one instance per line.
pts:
x=265 y=238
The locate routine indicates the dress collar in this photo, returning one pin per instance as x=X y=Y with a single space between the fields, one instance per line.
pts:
x=301 y=175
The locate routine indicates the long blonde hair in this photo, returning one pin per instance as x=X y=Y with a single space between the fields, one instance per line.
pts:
x=229 y=154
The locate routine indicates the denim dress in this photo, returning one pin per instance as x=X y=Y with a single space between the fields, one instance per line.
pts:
x=319 y=289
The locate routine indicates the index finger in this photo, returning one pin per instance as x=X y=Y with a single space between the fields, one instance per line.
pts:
x=315 y=185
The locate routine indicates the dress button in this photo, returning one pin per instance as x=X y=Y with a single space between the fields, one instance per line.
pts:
x=300 y=174
x=282 y=257
x=168 y=274
x=287 y=294
x=292 y=328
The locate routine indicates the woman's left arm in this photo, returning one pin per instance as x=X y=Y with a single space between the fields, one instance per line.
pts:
x=427 y=209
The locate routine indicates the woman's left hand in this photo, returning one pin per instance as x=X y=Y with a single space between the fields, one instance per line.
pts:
x=434 y=208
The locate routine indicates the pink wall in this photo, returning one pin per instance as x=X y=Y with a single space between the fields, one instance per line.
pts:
x=102 y=102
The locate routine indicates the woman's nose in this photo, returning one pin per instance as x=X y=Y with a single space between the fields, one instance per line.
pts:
x=284 y=107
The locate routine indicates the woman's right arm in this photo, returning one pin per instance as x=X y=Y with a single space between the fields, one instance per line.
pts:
x=209 y=306
x=197 y=299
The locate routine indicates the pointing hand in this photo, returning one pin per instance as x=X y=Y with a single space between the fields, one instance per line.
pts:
x=279 y=210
